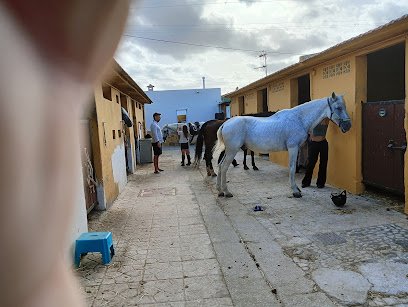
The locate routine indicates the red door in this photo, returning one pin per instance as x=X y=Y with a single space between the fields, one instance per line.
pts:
x=384 y=145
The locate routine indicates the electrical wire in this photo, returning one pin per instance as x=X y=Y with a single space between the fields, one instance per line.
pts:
x=207 y=46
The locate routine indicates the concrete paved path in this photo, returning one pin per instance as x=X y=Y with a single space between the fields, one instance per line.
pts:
x=178 y=244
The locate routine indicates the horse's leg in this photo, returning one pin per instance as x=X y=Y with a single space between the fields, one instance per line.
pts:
x=253 y=161
x=207 y=158
x=207 y=167
x=212 y=173
x=221 y=156
x=293 y=152
x=219 y=181
x=220 y=159
x=208 y=162
x=229 y=156
x=210 y=168
x=245 y=155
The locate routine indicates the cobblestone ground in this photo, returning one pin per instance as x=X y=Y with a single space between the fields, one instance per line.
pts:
x=178 y=244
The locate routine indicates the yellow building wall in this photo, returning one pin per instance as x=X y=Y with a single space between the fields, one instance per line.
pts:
x=343 y=147
x=279 y=98
x=109 y=118
x=279 y=95
x=360 y=91
x=234 y=106
x=251 y=102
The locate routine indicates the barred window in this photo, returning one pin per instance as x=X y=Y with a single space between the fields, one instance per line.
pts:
x=336 y=69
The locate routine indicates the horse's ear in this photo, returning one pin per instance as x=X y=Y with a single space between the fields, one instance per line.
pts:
x=333 y=96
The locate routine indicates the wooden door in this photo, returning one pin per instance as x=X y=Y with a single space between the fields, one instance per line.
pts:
x=384 y=145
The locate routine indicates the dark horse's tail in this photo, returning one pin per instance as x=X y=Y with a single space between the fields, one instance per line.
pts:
x=199 y=146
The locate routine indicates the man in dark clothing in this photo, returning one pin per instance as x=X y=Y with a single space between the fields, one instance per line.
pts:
x=318 y=146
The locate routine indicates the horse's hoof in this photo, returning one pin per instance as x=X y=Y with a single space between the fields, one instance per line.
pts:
x=214 y=175
x=246 y=168
x=255 y=168
x=228 y=194
x=221 y=194
x=297 y=195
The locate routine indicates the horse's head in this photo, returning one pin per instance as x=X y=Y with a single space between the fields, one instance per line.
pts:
x=338 y=112
x=194 y=128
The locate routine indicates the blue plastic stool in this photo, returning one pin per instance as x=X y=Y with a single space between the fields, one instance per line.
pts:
x=90 y=242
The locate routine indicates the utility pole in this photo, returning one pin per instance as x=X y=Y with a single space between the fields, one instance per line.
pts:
x=263 y=54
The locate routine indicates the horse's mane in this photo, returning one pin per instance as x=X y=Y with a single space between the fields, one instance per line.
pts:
x=260 y=114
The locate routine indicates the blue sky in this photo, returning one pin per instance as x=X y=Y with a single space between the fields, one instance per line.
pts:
x=173 y=44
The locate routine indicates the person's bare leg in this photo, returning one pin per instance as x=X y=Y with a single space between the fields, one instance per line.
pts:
x=156 y=163
x=51 y=55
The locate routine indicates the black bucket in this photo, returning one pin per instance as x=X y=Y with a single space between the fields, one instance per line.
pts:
x=339 y=199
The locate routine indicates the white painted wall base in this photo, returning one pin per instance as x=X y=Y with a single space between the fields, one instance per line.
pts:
x=119 y=167
x=100 y=195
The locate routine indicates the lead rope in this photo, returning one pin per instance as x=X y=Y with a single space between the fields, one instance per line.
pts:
x=331 y=110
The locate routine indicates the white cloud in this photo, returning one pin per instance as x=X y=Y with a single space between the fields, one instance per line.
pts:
x=168 y=43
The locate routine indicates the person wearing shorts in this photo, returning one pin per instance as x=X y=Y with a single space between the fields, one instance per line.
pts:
x=157 y=141
x=184 y=136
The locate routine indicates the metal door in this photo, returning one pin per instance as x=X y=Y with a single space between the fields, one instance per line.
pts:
x=384 y=145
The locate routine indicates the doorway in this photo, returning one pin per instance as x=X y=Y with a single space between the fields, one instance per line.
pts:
x=262 y=101
x=384 y=140
x=241 y=105
x=303 y=89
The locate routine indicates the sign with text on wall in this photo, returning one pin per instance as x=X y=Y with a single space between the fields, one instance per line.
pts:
x=181 y=115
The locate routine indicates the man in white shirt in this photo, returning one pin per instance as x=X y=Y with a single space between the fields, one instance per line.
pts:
x=157 y=140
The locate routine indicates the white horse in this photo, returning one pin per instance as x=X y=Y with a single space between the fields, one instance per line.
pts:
x=171 y=129
x=285 y=130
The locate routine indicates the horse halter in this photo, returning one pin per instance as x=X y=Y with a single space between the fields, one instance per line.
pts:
x=331 y=114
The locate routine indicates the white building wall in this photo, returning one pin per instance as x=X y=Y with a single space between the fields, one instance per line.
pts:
x=79 y=219
x=201 y=105
x=119 y=166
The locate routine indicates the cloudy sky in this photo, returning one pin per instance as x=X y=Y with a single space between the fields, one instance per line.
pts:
x=172 y=44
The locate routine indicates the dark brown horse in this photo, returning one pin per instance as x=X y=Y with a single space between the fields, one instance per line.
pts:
x=208 y=136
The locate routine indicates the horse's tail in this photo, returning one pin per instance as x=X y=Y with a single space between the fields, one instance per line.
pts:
x=219 y=146
x=199 y=147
